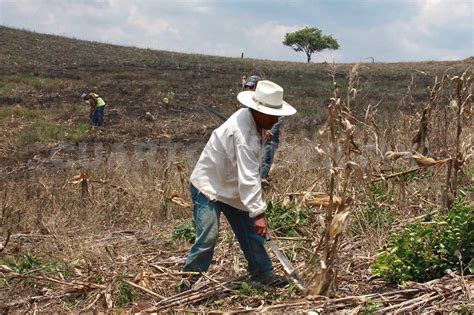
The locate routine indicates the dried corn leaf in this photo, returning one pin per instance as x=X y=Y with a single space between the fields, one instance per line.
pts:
x=175 y=198
x=286 y=202
x=79 y=178
x=391 y=155
x=423 y=161
x=319 y=199
x=319 y=150
x=338 y=223
x=347 y=124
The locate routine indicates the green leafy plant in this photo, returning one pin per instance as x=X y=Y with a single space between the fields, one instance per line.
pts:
x=370 y=307
x=185 y=232
x=246 y=289
x=285 y=221
x=425 y=250
x=27 y=263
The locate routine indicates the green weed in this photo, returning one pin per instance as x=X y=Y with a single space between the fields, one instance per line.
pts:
x=27 y=263
x=246 y=289
x=40 y=131
x=76 y=132
x=286 y=220
x=370 y=307
x=25 y=81
x=425 y=250
x=372 y=218
x=185 y=232
x=124 y=295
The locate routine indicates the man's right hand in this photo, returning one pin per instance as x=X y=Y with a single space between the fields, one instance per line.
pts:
x=261 y=224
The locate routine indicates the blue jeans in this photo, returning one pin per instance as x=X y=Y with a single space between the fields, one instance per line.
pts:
x=206 y=215
x=98 y=116
x=268 y=155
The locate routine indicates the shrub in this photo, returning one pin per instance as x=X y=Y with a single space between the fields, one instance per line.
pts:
x=425 y=250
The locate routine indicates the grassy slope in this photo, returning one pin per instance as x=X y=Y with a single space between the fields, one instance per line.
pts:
x=46 y=73
x=125 y=74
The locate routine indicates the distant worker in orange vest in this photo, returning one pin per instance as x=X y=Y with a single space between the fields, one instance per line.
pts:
x=97 y=106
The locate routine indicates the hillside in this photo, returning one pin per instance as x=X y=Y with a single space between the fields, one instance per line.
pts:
x=99 y=219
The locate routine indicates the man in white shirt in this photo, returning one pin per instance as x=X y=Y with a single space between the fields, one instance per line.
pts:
x=227 y=179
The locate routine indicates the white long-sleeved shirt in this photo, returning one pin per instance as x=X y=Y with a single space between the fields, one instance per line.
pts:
x=228 y=169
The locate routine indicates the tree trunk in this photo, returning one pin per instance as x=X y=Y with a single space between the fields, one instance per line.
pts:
x=309 y=57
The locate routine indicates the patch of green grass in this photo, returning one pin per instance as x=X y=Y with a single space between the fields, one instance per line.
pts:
x=25 y=81
x=40 y=131
x=76 y=131
x=372 y=218
x=124 y=295
x=17 y=111
x=44 y=131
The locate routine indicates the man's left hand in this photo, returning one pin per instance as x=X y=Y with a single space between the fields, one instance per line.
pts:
x=261 y=225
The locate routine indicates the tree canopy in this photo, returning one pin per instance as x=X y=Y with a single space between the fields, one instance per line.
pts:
x=310 y=40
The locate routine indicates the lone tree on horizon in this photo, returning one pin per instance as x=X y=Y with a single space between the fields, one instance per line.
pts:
x=310 y=40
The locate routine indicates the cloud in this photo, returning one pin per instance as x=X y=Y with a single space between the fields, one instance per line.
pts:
x=388 y=30
x=149 y=25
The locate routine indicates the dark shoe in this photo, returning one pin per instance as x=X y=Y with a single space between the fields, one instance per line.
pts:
x=271 y=280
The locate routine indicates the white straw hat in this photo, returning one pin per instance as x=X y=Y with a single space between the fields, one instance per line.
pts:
x=267 y=98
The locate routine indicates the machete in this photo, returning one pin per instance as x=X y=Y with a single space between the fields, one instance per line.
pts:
x=287 y=266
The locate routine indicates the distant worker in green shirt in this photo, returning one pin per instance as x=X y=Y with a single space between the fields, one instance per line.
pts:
x=97 y=105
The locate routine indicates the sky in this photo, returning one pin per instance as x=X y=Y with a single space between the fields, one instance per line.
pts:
x=386 y=30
